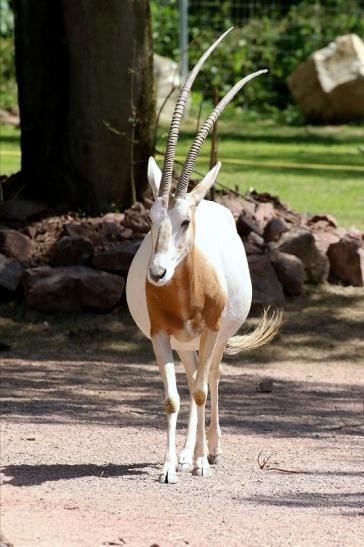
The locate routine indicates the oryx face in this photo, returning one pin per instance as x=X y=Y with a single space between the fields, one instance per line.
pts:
x=173 y=233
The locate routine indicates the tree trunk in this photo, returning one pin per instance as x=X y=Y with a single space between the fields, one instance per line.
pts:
x=85 y=79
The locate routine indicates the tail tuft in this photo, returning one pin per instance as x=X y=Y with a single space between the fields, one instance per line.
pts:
x=266 y=330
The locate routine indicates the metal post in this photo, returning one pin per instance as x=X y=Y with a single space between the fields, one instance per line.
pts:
x=183 y=38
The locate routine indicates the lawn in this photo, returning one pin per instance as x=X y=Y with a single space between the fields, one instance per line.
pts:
x=314 y=169
x=9 y=149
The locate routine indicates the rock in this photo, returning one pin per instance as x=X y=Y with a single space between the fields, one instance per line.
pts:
x=71 y=289
x=274 y=229
x=264 y=213
x=265 y=386
x=256 y=239
x=126 y=233
x=290 y=272
x=78 y=229
x=329 y=86
x=118 y=218
x=347 y=260
x=10 y=273
x=250 y=248
x=235 y=204
x=72 y=251
x=266 y=287
x=30 y=231
x=325 y=238
x=266 y=197
x=21 y=210
x=301 y=242
x=166 y=78
x=112 y=228
x=111 y=231
x=328 y=220
x=16 y=245
x=137 y=219
x=247 y=223
x=117 y=259
x=253 y=244
x=4 y=542
x=272 y=246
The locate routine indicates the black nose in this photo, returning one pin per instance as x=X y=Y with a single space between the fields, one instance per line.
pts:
x=158 y=275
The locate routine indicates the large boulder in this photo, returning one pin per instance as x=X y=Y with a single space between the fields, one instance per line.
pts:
x=72 y=251
x=71 y=289
x=301 y=243
x=117 y=259
x=329 y=86
x=347 y=260
x=266 y=287
x=290 y=272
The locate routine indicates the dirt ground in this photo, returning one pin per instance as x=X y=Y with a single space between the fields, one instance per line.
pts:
x=83 y=435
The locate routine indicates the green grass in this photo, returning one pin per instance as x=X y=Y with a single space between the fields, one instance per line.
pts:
x=313 y=169
x=9 y=149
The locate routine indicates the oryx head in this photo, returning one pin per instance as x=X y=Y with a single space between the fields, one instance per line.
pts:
x=172 y=215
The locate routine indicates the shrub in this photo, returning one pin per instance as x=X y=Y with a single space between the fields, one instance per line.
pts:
x=8 y=89
x=279 y=43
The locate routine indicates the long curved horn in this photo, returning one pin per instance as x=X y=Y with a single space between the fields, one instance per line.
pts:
x=204 y=130
x=166 y=181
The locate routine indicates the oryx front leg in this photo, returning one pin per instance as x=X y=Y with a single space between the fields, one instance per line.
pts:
x=164 y=356
x=185 y=460
x=207 y=346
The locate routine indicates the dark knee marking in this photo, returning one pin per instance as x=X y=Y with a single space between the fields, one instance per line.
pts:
x=200 y=397
x=170 y=406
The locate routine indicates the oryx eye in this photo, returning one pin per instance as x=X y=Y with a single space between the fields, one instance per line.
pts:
x=185 y=223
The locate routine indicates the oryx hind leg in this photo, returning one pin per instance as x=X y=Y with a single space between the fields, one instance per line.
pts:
x=214 y=431
x=208 y=343
x=185 y=460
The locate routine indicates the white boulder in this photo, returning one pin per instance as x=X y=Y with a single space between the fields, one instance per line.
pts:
x=166 y=79
x=329 y=86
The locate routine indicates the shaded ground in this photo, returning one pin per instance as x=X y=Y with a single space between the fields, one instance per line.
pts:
x=83 y=434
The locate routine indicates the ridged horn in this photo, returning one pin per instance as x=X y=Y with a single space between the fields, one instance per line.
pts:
x=204 y=130
x=166 y=182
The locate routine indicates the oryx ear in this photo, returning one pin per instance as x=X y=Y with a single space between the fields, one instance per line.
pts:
x=154 y=176
x=200 y=191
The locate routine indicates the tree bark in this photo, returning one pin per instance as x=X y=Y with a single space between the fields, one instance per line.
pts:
x=85 y=79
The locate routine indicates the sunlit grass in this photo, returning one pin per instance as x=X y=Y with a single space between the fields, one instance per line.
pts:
x=9 y=149
x=313 y=169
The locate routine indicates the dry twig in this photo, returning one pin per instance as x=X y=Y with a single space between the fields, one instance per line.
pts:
x=263 y=463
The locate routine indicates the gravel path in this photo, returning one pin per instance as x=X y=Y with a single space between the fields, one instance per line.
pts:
x=82 y=440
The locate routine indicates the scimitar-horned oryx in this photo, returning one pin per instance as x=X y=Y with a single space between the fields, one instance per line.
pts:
x=189 y=289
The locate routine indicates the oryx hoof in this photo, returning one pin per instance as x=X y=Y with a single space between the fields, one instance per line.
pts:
x=214 y=460
x=202 y=468
x=168 y=478
x=185 y=467
x=201 y=472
